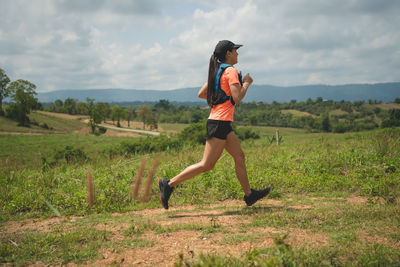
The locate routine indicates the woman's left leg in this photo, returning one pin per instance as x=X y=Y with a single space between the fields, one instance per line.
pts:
x=212 y=151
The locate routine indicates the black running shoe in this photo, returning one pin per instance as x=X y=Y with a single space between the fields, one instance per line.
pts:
x=256 y=195
x=165 y=191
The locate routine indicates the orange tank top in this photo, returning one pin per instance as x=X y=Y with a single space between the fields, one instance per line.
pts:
x=224 y=111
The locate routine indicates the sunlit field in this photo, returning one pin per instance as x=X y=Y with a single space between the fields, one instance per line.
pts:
x=335 y=201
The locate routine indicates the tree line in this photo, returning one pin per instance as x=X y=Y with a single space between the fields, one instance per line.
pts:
x=316 y=115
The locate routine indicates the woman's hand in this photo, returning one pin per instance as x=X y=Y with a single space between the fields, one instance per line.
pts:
x=247 y=79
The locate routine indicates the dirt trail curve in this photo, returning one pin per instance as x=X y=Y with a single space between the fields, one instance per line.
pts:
x=130 y=130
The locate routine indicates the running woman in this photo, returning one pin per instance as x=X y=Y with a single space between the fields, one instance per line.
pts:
x=223 y=91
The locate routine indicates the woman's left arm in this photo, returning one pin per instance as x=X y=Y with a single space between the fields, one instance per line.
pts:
x=203 y=91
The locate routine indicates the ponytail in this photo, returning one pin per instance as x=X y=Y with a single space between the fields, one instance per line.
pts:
x=212 y=72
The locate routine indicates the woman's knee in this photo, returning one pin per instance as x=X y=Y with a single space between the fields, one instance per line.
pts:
x=207 y=166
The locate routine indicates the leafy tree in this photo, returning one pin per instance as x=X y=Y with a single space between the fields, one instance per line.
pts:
x=397 y=100
x=325 y=124
x=358 y=104
x=59 y=105
x=377 y=110
x=163 y=104
x=196 y=115
x=70 y=106
x=129 y=115
x=152 y=120
x=22 y=92
x=395 y=114
x=346 y=106
x=104 y=109
x=144 y=113
x=82 y=108
x=117 y=114
x=94 y=115
x=4 y=80
x=253 y=119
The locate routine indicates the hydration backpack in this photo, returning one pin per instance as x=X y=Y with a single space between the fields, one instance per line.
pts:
x=221 y=95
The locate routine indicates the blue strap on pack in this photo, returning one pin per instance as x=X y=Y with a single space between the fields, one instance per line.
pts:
x=223 y=97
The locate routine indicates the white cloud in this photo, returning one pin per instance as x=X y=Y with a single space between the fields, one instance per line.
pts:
x=165 y=45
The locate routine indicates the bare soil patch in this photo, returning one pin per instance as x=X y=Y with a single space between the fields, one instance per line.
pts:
x=64 y=116
x=338 y=112
x=297 y=112
x=389 y=106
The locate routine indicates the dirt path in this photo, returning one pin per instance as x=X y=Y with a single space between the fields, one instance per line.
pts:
x=220 y=228
x=130 y=130
x=157 y=237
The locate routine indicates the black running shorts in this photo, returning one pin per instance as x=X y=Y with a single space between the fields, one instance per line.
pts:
x=218 y=129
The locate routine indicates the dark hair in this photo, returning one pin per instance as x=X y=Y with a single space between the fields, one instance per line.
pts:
x=215 y=61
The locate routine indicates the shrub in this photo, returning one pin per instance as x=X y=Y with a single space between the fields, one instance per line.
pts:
x=394 y=119
x=70 y=154
x=44 y=125
x=246 y=133
x=145 y=145
x=33 y=122
x=340 y=127
x=366 y=125
x=102 y=130
x=11 y=111
x=194 y=133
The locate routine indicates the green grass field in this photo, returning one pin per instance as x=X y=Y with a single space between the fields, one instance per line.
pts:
x=335 y=202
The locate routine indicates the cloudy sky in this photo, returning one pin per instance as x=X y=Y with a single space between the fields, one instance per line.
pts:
x=159 y=44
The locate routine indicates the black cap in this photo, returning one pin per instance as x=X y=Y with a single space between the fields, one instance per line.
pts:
x=224 y=46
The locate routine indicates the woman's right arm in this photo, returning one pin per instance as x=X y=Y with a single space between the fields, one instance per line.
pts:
x=239 y=93
x=203 y=91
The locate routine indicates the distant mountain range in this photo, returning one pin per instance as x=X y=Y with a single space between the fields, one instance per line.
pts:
x=385 y=92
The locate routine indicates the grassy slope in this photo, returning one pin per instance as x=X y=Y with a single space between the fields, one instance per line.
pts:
x=56 y=125
x=60 y=125
x=26 y=150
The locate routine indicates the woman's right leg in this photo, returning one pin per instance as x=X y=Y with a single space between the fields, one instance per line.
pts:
x=233 y=147
x=212 y=153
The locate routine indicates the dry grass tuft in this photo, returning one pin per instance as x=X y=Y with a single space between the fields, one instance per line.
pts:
x=139 y=175
x=90 y=188
x=149 y=182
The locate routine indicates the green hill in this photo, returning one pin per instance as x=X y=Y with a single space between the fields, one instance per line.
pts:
x=41 y=124
x=385 y=92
